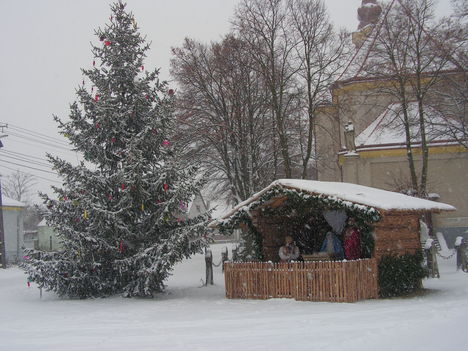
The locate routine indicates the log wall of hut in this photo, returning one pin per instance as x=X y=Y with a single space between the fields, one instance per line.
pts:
x=397 y=233
x=273 y=230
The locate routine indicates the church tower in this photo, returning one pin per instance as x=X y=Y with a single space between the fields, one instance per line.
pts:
x=368 y=15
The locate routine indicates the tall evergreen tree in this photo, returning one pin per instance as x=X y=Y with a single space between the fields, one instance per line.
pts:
x=120 y=213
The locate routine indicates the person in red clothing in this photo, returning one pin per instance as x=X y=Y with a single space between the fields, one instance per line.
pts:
x=352 y=241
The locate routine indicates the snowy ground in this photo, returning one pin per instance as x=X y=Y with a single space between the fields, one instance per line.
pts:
x=192 y=318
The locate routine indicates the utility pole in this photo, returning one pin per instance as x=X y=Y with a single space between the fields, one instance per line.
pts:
x=2 y=232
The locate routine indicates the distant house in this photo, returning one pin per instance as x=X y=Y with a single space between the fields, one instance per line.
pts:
x=13 y=215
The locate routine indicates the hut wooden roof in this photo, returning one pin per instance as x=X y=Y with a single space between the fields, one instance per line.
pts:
x=358 y=194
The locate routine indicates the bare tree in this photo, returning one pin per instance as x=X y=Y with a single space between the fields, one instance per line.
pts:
x=320 y=54
x=452 y=94
x=18 y=186
x=406 y=62
x=263 y=25
x=223 y=113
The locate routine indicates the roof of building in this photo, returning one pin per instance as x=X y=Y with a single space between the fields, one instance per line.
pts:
x=366 y=62
x=389 y=127
x=8 y=202
x=358 y=194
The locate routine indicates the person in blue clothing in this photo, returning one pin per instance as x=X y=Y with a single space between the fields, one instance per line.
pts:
x=332 y=246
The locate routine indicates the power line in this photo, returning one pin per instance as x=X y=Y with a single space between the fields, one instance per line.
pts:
x=34 y=175
x=39 y=135
x=24 y=155
x=33 y=139
x=23 y=159
x=37 y=169
x=14 y=140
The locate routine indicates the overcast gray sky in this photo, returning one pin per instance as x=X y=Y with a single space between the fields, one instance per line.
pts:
x=45 y=43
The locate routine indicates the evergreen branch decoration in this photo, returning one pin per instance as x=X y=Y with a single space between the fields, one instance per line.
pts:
x=298 y=200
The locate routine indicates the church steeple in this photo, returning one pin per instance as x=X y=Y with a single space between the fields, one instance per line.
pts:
x=368 y=15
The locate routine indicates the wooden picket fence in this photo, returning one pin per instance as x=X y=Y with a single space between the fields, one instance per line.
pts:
x=334 y=281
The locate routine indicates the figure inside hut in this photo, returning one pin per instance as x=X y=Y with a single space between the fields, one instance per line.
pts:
x=332 y=246
x=352 y=241
x=289 y=251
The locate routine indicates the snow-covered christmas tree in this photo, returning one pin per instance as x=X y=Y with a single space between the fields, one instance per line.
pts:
x=120 y=213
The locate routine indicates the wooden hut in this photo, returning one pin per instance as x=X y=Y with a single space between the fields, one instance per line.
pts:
x=389 y=223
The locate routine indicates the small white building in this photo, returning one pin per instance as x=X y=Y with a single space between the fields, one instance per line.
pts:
x=13 y=214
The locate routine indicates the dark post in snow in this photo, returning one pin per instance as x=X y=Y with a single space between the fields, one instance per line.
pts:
x=224 y=257
x=2 y=232
x=460 y=245
x=209 y=266
x=431 y=258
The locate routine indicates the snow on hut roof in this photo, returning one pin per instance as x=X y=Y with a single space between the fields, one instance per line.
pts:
x=359 y=194
x=8 y=202
x=388 y=127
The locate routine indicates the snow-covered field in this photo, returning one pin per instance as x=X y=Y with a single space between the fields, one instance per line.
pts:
x=189 y=317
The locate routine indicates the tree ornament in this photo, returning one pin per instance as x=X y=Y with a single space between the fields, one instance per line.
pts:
x=96 y=98
x=166 y=187
x=102 y=37
x=98 y=125
x=166 y=143
x=109 y=197
x=113 y=140
x=121 y=246
x=28 y=283
x=147 y=97
x=142 y=68
x=85 y=214
x=171 y=92
x=107 y=43
x=122 y=186
x=94 y=63
x=142 y=207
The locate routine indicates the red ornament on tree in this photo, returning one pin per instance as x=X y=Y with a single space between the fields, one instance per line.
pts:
x=147 y=97
x=113 y=140
x=121 y=246
x=166 y=143
x=166 y=187
x=171 y=92
x=107 y=43
x=122 y=186
x=142 y=68
x=96 y=98
x=98 y=125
